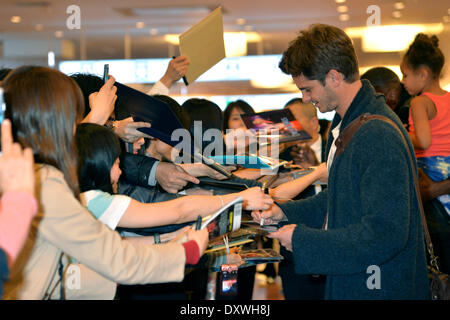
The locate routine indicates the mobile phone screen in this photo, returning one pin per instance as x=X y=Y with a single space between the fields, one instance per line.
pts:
x=228 y=279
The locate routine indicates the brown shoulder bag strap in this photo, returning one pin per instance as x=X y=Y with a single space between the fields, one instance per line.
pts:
x=344 y=138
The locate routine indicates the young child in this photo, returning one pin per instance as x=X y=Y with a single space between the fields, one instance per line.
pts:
x=429 y=120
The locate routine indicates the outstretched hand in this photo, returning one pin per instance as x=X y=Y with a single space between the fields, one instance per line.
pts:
x=255 y=199
x=271 y=216
x=102 y=103
x=284 y=235
x=175 y=71
x=172 y=177
x=126 y=129
x=304 y=156
x=16 y=165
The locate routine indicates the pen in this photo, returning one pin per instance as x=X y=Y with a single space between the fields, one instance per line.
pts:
x=263 y=190
x=199 y=222
x=227 y=246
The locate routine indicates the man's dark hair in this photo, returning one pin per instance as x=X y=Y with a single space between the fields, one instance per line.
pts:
x=98 y=149
x=88 y=83
x=381 y=78
x=319 y=49
x=208 y=113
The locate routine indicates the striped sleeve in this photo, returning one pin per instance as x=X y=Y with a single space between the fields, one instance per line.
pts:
x=105 y=207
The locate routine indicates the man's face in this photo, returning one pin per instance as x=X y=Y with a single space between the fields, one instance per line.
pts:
x=322 y=97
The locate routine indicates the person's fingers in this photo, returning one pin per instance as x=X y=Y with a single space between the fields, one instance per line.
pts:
x=256 y=215
x=139 y=125
x=7 y=139
x=170 y=189
x=109 y=83
x=185 y=176
x=184 y=179
x=28 y=155
x=273 y=235
x=16 y=150
x=266 y=214
x=92 y=96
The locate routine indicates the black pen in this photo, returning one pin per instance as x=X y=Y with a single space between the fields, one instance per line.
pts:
x=199 y=222
x=184 y=78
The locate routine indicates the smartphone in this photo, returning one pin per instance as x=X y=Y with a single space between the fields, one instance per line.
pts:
x=105 y=73
x=228 y=279
x=2 y=106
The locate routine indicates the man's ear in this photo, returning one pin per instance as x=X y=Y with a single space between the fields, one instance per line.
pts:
x=335 y=78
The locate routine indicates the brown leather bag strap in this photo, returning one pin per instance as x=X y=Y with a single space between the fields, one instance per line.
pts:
x=347 y=134
x=344 y=138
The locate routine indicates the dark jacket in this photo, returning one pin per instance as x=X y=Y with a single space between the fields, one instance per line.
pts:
x=136 y=168
x=374 y=218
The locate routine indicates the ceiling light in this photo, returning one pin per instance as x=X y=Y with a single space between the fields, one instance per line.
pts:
x=339 y=1
x=59 y=34
x=16 y=19
x=172 y=39
x=38 y=27
x=253 y=36
x=235 y=44
x=397 y=14
x=271 y=82
x=241 y=21
x=344 y=17
x=140 y=25
x=393 y=38
x=51 y=59
x=342 y=9
x=153 y=31
x=399 y=5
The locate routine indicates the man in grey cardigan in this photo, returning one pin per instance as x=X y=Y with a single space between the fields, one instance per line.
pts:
x=364 y=232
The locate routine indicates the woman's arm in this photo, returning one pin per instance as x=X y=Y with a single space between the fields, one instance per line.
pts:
x=292 y=188
x=421 y=111
x=187 y=208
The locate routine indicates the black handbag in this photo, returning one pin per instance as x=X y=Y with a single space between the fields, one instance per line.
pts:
x=439 y=281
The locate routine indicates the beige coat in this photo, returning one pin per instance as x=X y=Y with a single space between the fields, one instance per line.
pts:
x=62 y=224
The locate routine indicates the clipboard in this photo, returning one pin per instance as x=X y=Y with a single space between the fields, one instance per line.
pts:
x=203 y=44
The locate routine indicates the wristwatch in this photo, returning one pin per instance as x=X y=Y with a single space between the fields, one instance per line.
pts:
x=110 y=123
